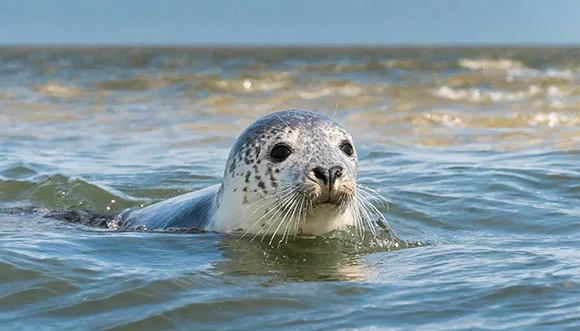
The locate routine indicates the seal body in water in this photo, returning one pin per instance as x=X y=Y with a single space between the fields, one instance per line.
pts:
x=291 y=172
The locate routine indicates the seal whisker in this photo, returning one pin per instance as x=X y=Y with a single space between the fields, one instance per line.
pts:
x=294 y=216
x=282 y=120
x=287 y=221
x=381 y=219
x=274 y=209
x=276 y=219
x=279 y=220
x=276 y=215
x=374 y=194
x=283 y=219
x=380 y=215
x=271 y=222
x=358 y=217
x=302 y=215
x=296 y=222
x=271 y=212
x=355 y=214
x=365 y=204
x=374 y=209
x=299 y=216
x=363 y=212
x=292 y=220
x=276 y=190
x=284 y=193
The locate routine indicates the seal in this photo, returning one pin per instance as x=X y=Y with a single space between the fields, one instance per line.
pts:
x=290 y=173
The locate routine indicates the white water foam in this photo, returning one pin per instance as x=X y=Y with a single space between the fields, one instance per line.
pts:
x=490 y=64
x=480 y=95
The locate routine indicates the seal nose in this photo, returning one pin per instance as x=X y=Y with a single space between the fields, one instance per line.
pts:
x=327 y=177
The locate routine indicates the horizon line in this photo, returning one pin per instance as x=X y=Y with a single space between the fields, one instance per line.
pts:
x=290 y=45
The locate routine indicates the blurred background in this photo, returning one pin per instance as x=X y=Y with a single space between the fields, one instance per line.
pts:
x=489 y=74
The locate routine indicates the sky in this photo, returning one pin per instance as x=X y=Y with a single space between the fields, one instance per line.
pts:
x=289 y=22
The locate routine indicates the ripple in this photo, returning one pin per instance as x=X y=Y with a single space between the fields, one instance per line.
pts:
x=205 y=312
x=143 y=82
x=18 y=171
x=62 y=192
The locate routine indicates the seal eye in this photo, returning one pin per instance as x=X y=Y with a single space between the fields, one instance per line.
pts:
x=346 y=148
x=280 y=153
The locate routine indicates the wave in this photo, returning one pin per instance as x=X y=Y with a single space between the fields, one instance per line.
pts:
x=550 y=119
x=347 y=90
x=482 y=95
x=549 y=73
x=60 y=192
x=490 y=64
x=553 y=119
x=58 y=90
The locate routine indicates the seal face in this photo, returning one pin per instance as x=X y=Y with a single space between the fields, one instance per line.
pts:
x=291 y=172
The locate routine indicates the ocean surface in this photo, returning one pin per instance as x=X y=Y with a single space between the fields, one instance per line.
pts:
x=477 y=151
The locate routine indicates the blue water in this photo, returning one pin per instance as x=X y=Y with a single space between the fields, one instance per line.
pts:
x=477 y=151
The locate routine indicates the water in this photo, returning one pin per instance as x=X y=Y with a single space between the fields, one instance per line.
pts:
x=477 y=150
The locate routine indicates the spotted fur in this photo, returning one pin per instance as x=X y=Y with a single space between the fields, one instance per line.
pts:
x=314 y=140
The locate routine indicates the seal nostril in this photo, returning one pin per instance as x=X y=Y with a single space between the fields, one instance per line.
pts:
x=320 y=173
x=334 y=173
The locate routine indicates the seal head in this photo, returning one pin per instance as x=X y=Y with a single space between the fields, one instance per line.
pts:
x=291 y=172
